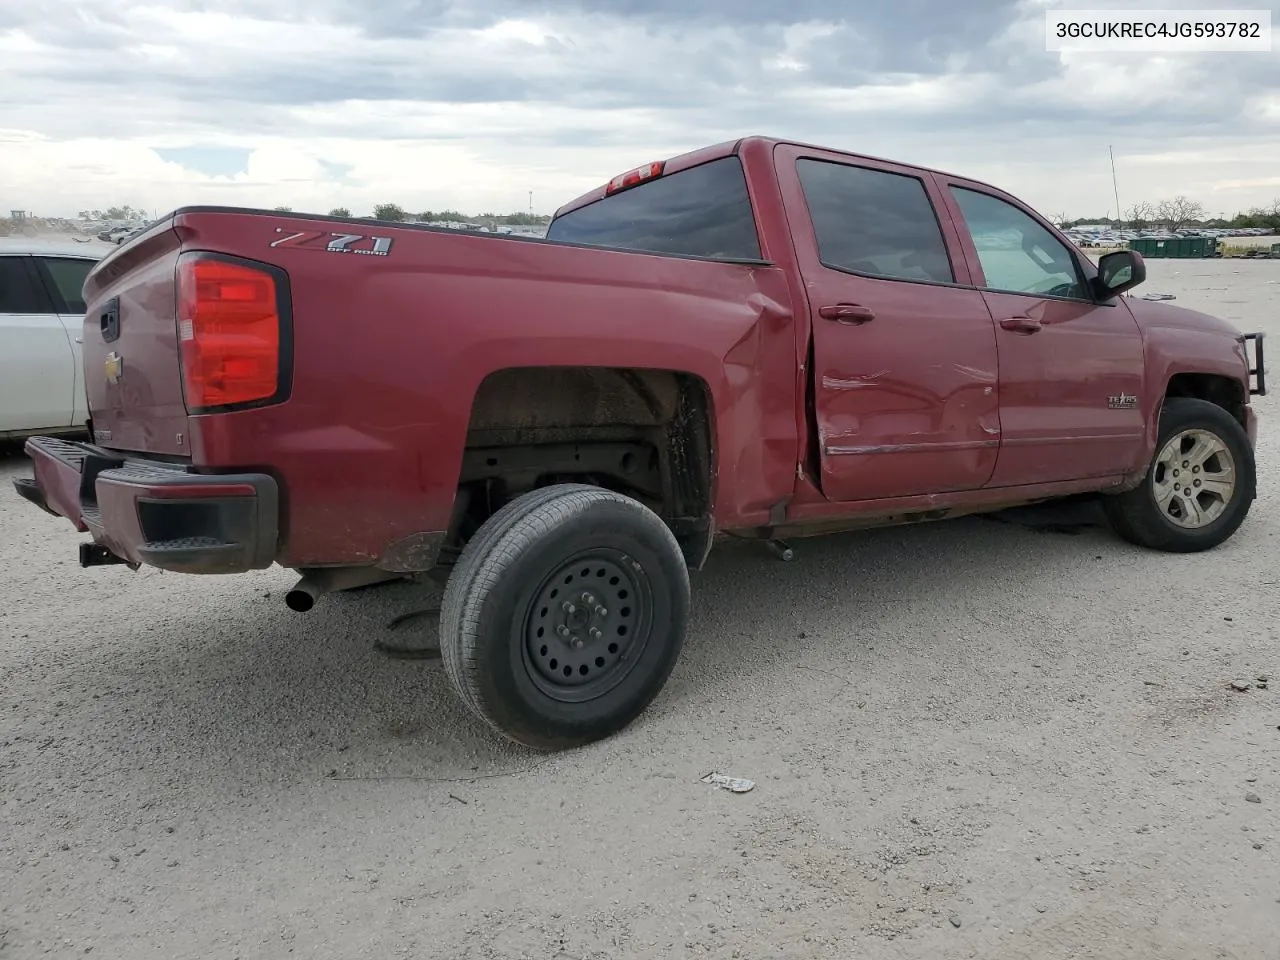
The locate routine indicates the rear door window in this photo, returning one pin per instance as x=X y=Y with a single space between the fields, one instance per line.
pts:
x=874 y=222
x=20 y=291
x=66 y=276
x=703 y=211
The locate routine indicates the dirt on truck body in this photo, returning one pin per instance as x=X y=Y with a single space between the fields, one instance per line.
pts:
x=759 y=339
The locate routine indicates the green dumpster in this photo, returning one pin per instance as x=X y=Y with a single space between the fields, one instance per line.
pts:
x=1151 y=247
x=1197 y=247
x=1180 y=248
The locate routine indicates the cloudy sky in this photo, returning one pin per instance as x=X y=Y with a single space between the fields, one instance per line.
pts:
x=471 y=104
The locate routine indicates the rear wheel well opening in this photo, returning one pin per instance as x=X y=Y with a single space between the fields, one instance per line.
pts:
x=639 y=432
x=1222 y=391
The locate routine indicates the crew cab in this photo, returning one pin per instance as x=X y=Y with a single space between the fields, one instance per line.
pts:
x=762 y=339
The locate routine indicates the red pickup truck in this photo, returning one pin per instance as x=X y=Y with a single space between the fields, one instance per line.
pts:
x=761 y=338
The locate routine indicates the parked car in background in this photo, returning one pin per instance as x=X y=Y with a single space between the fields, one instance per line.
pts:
x=41 y=320
x=120 y=233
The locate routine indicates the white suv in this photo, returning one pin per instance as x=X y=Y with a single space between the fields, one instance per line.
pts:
x=41 y=323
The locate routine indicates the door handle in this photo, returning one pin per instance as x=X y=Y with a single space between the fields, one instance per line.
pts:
x=109 y=320
x=1021 y=324
x=846 y=313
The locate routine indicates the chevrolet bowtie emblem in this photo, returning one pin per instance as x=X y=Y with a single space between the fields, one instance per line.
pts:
x=114 y=366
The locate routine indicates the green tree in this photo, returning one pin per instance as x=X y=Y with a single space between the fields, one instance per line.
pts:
x=392 y=212
x=1268 y=217
x=283 y=209
x=340 y=212
x=535 y=219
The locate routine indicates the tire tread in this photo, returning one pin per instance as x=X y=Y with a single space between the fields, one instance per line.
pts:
x=1133 y=516
x=481 y=569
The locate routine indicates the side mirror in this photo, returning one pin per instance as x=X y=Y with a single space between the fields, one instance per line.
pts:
x=1118 y=272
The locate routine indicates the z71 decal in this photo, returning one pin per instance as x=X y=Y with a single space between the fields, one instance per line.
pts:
x=334 y=242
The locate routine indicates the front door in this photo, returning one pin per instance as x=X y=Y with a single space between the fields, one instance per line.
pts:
x=1071 y=368
x=904 y=355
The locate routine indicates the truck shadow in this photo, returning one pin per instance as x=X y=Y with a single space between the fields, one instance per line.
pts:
x=854 y=604
x=12 y=456
x=230 y=684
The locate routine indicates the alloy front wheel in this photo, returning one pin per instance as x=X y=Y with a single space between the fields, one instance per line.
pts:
x=1199 y=485
x=1194 y=480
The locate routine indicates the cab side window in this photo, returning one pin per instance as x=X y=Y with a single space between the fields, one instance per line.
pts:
x=874 y=223
x=1017 y=254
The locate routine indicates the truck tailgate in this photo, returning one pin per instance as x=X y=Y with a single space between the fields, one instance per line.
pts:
x=133 y=379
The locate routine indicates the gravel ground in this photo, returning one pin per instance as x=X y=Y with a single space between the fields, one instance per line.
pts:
x=970 y=739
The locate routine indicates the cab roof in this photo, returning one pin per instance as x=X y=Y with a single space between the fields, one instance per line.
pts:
x=56 y=247
x=729 y=147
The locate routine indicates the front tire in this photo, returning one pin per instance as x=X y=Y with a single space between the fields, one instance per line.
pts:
x=565 y=615
x=1200 y=484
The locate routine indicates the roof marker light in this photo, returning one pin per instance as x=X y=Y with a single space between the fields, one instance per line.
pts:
x=631 y=178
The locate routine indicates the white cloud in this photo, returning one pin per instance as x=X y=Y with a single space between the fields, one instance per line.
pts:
x=283 y=163
x=336 y=102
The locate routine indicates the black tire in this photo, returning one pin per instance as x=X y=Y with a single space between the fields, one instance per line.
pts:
x=1137 y=515
x=508 y=595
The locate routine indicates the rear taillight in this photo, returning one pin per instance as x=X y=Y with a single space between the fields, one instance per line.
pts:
x=231 y=331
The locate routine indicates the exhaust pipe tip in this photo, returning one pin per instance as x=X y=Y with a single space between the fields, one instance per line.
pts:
x=308 y=590
x=301 y=598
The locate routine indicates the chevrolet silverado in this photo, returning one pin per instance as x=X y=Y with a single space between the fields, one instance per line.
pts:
x=762 y=339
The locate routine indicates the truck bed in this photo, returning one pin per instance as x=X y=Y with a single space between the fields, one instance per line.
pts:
x=393 y=329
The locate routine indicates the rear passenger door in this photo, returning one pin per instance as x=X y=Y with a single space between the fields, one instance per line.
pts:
x=904 y=367
x=64 y=279
x=37 y=365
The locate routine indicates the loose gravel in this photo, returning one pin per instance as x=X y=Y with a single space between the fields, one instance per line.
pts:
x=968 y=739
